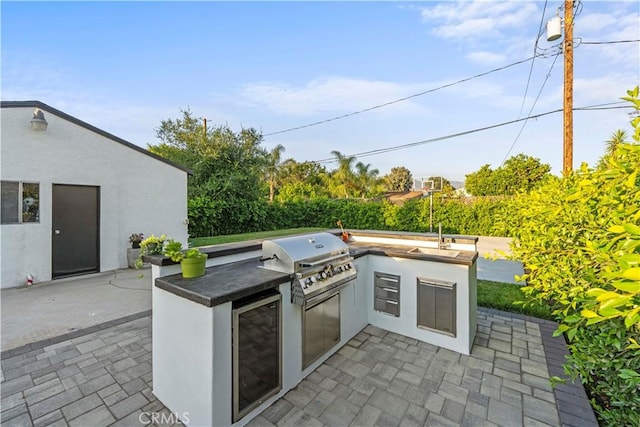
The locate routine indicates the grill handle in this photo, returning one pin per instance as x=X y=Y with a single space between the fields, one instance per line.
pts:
x=267 y=258
x=322 y=261
x=310 y=302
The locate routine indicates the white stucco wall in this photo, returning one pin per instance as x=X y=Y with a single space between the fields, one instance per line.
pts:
x=409 y=270
x=137 y=192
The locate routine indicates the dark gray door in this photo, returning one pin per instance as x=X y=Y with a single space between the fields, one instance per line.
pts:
x=76 y=230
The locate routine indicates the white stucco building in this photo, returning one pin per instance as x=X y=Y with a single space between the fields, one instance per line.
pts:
x=72 y=194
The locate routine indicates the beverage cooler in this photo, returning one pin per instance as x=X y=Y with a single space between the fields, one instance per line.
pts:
x=257 y=351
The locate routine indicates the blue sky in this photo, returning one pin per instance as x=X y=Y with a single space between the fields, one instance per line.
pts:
x=125 y=66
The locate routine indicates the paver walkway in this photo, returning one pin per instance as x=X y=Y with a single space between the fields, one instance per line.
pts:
x=97 y=379
x=382 y=378
x=102 y=376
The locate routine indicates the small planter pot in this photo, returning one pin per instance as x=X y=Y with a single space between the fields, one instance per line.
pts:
x=132 y=256
x=193 y=267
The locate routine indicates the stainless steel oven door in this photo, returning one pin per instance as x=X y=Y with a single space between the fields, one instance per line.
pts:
x=320 y=327
x=257 y=353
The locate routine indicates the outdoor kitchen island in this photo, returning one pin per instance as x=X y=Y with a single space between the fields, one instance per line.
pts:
x=228 y=344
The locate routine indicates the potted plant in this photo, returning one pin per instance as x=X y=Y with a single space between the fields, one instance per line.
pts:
x=152 y=245
x=192 y=261
x=135 y=239
x=134 y=251
x=345 y=235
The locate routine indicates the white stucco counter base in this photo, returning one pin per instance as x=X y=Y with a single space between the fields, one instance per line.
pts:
x=192 y=327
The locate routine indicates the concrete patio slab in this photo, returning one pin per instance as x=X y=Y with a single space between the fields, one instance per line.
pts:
x=50 y=309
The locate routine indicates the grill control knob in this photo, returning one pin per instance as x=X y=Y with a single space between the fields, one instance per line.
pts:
x=312 y=279
x=323 y=275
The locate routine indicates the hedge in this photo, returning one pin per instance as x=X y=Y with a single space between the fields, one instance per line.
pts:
x=473 y=216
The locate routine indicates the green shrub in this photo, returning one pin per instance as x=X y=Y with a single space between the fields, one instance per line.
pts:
x=458 y=216
x=609 y=371
x=579 y=240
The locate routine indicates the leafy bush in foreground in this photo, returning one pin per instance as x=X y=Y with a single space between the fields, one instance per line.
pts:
x=579 y=239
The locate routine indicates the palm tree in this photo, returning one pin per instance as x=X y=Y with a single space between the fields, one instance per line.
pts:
x=273 y=167
x=366 y=178
x=343 y=178
x=617 y=137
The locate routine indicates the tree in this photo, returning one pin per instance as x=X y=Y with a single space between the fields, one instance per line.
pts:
x=398 y=179
x=342 y=181
x=226 y=165
x=366 y=179
x=301 y=181
x=273 y=168
x=519 y=173
x=522 y=173
x=442 y=184
x=481 y=182
x=617 y=138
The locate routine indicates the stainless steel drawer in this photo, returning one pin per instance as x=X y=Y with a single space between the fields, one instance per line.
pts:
x=386 y=306
x=386 y=280
x=387 y=293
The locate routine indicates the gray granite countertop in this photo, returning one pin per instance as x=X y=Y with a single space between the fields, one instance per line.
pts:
x=400 y=251
x=223 y=283
x=232 y=281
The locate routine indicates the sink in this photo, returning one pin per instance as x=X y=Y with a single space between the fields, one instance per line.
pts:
x=434 y=251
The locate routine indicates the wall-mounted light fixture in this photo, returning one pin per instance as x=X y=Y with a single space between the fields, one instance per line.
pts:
x=38 y=122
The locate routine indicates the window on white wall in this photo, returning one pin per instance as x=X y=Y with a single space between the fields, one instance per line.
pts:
x=20 y=202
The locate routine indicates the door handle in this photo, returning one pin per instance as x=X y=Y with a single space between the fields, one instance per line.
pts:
x=56 y=231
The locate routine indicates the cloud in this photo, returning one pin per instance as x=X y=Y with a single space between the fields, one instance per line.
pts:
x=487 y=58
x=607 y=88
x=478 y=19
x=595 y=22
x=331 y=95
x=493 y=32
x=618 y=25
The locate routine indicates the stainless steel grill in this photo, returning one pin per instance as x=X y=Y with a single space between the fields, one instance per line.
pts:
x=321 y=264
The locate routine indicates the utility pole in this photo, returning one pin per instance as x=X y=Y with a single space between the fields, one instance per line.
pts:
x=567 y=147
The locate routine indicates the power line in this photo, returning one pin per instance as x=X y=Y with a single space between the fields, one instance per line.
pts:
x=531 y=109
x=535 y=49
x=603 y=105
x=441 y=138
x=612 y=42
x=595 y=108
x=401 y=99
x=526 y=91
x=454 y=135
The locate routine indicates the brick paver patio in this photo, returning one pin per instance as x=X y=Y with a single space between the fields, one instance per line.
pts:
x=102 y=376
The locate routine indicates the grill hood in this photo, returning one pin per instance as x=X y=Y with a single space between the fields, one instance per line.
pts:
x=295 y=253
